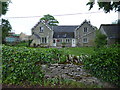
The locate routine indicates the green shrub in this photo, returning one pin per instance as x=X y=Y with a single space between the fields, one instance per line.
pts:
x=22 y=64
x=105 y=64
x=101 y=39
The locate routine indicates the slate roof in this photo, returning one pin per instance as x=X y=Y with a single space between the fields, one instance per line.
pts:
x=66 y=31
x=112 y=30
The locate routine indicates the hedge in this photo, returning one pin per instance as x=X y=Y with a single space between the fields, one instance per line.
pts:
x=22 y=64
x=104 y=63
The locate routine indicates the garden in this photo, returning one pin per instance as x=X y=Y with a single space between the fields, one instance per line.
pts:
x=21 y=66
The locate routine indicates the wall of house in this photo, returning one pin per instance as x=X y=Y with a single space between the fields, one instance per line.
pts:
x=67 y=42
x=80 y=35
x=46 y=34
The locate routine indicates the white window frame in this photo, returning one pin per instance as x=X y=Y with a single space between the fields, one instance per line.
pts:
x=67 y=40
x=43 y=40
x=85 y=40
x=41 y=29
x=85 y=29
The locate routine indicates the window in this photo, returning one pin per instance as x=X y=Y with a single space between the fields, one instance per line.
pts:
x=61 y=40
x=53 y=41
x=65 y=35
x=32 y=32
x=85 y=29
x=67 y=40
x=43 y=40
x=41 y=29
x=85 y=40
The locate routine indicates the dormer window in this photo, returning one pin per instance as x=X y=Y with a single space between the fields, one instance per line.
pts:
x=65 y=35
x=41 y=29
x=85 y=29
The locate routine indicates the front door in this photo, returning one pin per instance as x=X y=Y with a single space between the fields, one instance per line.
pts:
x=54 y=42
x=73 y=43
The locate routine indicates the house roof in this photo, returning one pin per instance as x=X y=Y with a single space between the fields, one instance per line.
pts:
x=112 y=30
x=66 y=31
x=39 y=23
x=85 y=21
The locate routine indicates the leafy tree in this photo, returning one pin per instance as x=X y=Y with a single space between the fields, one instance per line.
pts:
x=100 y=39
x=6 y=28
x=50 y=20
x=4 y=7
x=106 y=6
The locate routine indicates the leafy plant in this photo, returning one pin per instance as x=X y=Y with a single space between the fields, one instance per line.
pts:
x=105 y=64
x=22 y=64
x=100 y=39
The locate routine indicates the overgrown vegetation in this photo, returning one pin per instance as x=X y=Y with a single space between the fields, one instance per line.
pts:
x=66 y=83
x=22 y=64
x=100 y=40
x=105 y=64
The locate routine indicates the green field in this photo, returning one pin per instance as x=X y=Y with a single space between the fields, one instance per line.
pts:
x=80 y=50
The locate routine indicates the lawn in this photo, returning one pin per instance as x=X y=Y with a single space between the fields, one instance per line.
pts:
x=80 y=50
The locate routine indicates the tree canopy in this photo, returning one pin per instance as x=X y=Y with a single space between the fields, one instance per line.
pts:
x=106 y=6
x=4 y=7
x=6 y=28
x=50 y=20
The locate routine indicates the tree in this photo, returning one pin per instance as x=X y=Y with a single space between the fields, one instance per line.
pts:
x=4 y=7
x=100 y=39
x=106 y=6
x=50 y=20
x=6 y=28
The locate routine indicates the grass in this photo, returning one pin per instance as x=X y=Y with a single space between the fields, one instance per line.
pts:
x=66 y=83
x=80 y=50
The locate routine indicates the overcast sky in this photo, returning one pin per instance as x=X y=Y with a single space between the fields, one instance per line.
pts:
x=73 y=12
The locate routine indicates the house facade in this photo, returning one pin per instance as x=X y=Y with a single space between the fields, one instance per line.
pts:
x=24 y=37
x=112 y=31
x=63 y=35
x=42 y=35
x=85 y=34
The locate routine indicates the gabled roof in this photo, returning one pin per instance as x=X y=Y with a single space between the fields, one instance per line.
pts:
x=112 y=30
x=85 y=21
x=43 y=23
x=66 y=31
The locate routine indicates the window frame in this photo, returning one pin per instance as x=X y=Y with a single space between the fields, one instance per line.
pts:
x=41 y=29
x=85 y=29
x=85 y=40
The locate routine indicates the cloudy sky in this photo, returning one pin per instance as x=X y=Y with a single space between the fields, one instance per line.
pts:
x=24 y=14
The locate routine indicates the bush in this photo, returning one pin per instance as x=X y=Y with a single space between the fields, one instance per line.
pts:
x=105 y=64
x=101 y=39
x=22 y=64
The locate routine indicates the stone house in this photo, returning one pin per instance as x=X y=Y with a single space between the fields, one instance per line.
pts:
x=112 y=31
x=24 y=37
x=67 y=35
x=85 y=34
x=42 y=35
